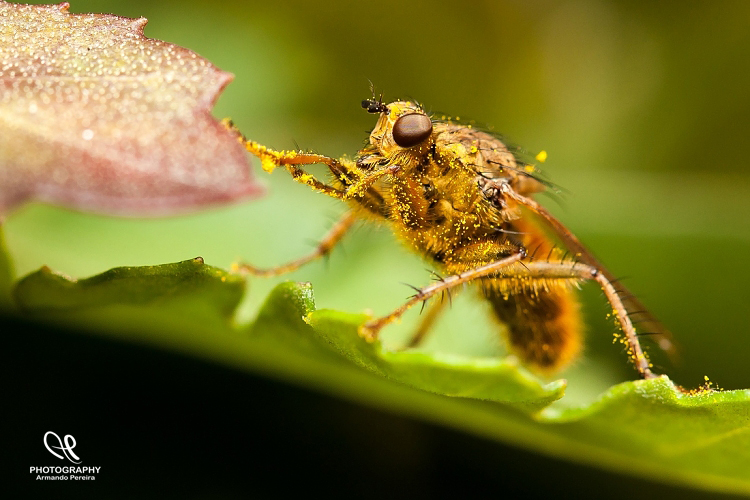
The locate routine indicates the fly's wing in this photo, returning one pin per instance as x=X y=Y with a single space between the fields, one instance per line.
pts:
x=644 y=322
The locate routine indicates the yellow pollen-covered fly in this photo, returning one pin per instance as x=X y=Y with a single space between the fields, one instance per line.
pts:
x=463 y=199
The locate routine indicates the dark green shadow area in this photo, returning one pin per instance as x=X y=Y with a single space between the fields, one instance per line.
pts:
x=132 y=409
x=645 y=428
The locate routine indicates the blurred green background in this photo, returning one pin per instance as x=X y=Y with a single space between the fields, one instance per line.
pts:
x=643 y=108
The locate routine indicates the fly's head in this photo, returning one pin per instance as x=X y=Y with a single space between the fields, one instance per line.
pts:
x=403 y=135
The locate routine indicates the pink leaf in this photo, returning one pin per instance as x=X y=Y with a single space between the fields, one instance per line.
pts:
x=96 y=116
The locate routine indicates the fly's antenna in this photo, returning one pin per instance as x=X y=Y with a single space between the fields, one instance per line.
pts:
x=372 y=88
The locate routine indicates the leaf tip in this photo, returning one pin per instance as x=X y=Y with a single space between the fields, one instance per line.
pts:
x=138 y=24
x=557 y=385
x=146 y=144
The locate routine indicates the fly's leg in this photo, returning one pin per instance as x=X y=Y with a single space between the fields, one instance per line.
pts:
x=270 y=159
x=427 y=322
x=351 y=182
x=371 y=329
x=324 y=247
x=626 y=299
x=346 y=174
x=543 y=270
x=359 y=187
x=465 y=253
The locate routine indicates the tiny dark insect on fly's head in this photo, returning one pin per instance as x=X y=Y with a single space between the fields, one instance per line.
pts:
x=373 y=106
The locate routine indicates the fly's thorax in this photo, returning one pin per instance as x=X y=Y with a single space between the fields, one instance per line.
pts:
x=486 y=155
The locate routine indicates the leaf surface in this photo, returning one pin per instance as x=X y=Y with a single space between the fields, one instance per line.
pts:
x=456 y=376
x=190 y=287
x=645 y=427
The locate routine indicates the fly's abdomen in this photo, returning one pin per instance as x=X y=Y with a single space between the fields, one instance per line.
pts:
x=543 y=326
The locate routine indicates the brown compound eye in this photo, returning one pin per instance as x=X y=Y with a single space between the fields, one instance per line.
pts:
x=409 y=130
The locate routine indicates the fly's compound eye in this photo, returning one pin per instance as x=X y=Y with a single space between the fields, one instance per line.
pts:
x=409 y=130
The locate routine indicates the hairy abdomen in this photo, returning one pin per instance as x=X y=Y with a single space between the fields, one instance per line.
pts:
x=543 y=327
x=542 y=316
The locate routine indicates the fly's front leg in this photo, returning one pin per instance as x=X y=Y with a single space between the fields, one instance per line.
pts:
x=371 y=329
x=270 y=159
x=325 y=246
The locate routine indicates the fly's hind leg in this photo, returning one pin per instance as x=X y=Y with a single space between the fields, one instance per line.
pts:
x=627 y=301
x=325 y=246
x=545 y=270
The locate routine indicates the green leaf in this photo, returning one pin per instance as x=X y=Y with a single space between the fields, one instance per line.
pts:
x=647 y=428
x=289 y=313
x=191 y=287
x=6 y=272
x=701 y=437
x=458 y=376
